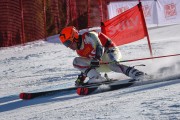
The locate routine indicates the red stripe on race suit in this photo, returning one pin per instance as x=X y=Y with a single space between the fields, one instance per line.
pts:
x=79 y=66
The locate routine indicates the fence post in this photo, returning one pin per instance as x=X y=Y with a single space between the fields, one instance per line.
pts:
x=88 y=12
x=22 y=22
x=101 y=10
x=44 y=11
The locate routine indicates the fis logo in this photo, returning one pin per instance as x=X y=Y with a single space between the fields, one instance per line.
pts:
x=121 y=10
x=147 y=11
x=170 y=10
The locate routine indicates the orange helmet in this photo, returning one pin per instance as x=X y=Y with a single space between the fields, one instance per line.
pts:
x=68 y=35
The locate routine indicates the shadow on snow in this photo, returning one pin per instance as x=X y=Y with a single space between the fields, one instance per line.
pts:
x=13 y=102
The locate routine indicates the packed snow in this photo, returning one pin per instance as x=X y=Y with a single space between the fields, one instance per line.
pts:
x=45 y=65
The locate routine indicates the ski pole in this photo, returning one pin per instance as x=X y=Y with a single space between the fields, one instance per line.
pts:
x=140 y=59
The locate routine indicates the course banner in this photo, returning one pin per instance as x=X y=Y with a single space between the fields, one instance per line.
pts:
x=149 y=9
x=156 y=12
x=168 y=11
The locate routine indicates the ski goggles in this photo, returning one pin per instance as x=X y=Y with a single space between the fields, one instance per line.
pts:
x=68 y=43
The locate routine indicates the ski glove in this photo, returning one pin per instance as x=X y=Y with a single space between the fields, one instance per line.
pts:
x=95 y=63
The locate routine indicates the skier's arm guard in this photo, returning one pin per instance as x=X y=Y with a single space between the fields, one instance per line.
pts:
x=99 y=52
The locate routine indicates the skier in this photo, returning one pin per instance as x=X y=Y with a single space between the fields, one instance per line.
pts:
x=93 y=48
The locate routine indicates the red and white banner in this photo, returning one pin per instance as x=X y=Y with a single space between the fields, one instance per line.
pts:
x=156 y=12
x=149 y=12
x=168 y=11
x=115 y=8
x=127 y=27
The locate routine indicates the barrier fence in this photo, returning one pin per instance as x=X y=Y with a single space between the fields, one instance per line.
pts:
x=28 y=20
x=23 y=21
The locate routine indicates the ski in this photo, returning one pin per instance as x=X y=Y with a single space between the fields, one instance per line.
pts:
x=119 y=85
x=93 y=88
x=104 y=87
x=31 y=95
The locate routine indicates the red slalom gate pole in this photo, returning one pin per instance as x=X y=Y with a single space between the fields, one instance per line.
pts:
x=141 y=59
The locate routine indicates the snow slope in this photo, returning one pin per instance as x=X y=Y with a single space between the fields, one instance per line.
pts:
x=44 y=65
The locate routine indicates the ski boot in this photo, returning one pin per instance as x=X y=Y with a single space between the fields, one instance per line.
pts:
x=80 y=80
x=136 y=74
